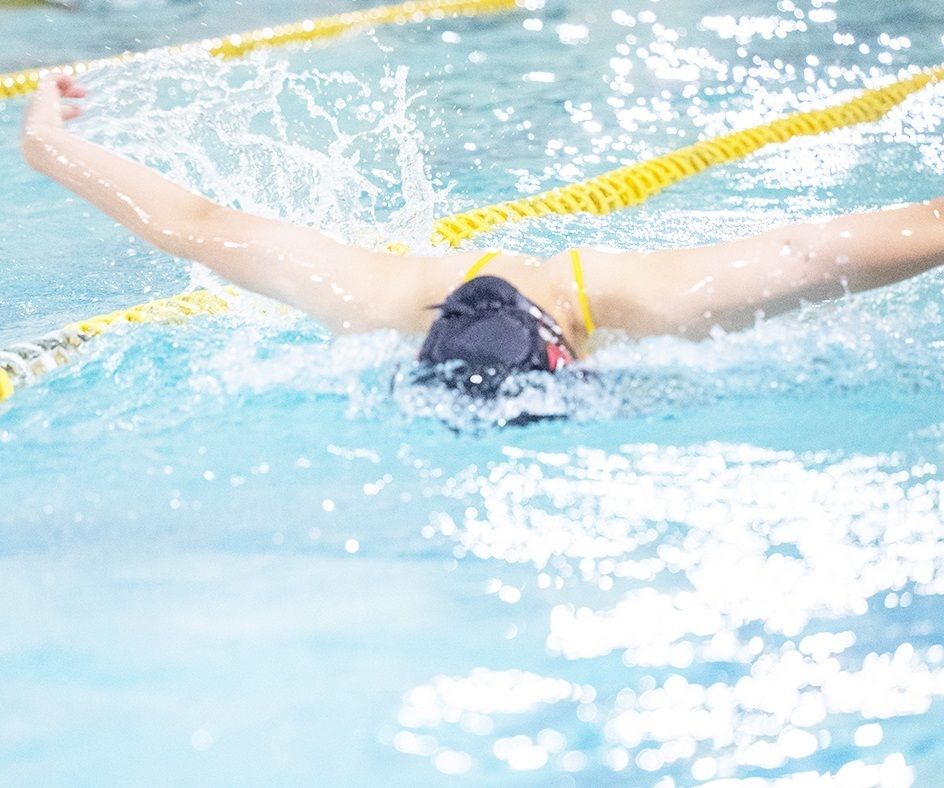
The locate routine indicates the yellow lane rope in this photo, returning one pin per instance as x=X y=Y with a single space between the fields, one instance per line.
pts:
x=238 y=44
x=636 y=183
x=25 y=361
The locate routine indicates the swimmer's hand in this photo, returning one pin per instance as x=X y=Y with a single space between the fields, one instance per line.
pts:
x=46 y=109
x=45 y=116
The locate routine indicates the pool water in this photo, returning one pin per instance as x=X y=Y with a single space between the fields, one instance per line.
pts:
x=233 y=552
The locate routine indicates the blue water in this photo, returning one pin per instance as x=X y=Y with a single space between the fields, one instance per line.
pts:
x=231 y=553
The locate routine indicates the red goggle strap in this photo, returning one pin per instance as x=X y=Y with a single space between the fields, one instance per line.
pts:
x=557 y=356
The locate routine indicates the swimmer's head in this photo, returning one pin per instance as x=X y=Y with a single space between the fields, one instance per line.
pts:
x=486 y=331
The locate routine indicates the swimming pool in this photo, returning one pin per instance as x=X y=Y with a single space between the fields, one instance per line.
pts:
x=232 y=553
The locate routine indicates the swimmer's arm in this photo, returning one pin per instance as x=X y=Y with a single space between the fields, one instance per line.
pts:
x=345 y=287
x=729 y=284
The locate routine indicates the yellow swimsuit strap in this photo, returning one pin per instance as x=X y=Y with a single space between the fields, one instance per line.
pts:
x=582 y=300
x=479 y=264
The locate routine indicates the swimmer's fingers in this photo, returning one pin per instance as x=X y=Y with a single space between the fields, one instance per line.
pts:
x=69 y=111
x=68 y=87
x=47 y=109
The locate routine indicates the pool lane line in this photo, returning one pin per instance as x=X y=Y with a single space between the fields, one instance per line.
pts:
x=22 y=363
x=236 y=45
x=636 y=183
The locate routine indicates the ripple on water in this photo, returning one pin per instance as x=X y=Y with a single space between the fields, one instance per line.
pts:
x=756 y=600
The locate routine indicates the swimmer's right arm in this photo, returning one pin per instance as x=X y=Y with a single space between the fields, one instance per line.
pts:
x=344 y=287
x=729 y=284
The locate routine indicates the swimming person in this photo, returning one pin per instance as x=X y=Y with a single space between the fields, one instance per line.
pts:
x=515 y=312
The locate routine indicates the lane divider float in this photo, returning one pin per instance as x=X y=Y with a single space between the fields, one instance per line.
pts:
x=636 y=183
x=24 y=362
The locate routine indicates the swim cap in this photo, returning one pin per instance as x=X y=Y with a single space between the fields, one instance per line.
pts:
x=489 y=331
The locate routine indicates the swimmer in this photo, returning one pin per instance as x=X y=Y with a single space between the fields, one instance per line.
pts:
x=522 y=313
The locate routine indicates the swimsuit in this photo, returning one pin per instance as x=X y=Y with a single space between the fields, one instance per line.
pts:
x=576 y=264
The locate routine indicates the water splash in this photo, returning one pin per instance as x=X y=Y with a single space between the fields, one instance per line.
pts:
x=325 y=149
x=873 y=339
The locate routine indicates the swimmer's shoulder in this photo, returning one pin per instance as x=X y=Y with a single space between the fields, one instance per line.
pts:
x=630 y=289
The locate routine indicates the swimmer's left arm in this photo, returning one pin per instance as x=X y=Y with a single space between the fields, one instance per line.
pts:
x=343 y=286
x=729 y=283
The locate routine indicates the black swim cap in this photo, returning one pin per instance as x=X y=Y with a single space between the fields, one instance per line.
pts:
x=489 y=330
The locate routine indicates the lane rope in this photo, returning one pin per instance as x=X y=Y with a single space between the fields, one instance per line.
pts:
x=636 y=183
x=237 y=45
x=24 y=362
